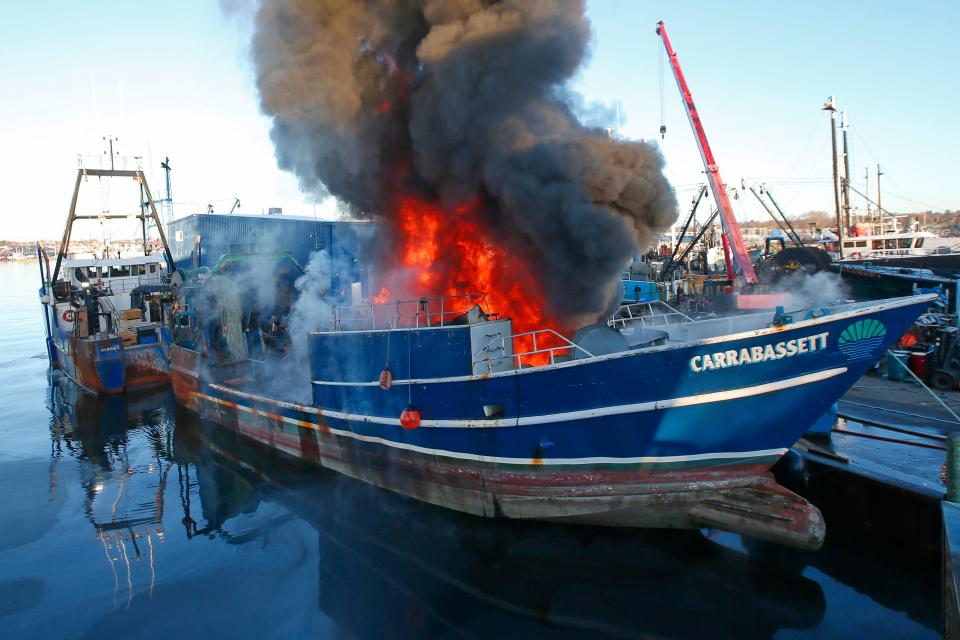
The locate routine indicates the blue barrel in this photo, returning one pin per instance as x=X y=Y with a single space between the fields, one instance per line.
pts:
x=897 y=365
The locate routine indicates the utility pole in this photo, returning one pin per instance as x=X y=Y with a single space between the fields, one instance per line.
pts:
x=846 y=170
x=830 y=105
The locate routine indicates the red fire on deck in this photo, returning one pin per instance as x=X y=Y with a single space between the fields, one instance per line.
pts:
x=451 y=253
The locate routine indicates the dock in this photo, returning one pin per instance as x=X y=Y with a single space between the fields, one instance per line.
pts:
x=880 y=471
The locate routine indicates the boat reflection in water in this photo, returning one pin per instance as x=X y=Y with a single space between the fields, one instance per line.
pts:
x=206 y=532
x=124 y=487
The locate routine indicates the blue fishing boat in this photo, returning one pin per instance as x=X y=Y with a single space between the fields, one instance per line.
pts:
x=638 y=423
x=105 y=316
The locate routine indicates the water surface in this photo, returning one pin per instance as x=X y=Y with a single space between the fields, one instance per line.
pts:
x=129 y=518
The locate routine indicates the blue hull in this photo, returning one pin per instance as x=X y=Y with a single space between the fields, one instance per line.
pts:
x=678 y=435
x=106 y=366
x=661 y=404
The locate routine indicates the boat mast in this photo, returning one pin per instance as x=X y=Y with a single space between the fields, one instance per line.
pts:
x=830 y=106
x=879 y=208
x=143 y=212
x=168 y=201
x=728 y=223
x=866 y=189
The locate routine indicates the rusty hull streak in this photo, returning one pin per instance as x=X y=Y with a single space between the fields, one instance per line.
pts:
x=745 y=498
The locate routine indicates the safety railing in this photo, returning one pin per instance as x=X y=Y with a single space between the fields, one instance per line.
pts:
x=647 y=314
x=436 y=311
x=109 y=309
x=539 y=354
x=116 y=285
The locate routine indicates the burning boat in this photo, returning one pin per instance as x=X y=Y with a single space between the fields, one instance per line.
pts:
x=635 y=422
x=501 y=386
x=105 y=317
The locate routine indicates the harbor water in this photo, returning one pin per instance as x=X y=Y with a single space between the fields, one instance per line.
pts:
x=127 y=517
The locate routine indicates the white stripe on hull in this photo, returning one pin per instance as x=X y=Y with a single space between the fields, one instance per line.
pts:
x=584 y=414
x=735 y=455
x=720 y=396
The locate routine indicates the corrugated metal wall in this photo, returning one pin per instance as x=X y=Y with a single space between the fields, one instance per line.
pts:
x=219 y=234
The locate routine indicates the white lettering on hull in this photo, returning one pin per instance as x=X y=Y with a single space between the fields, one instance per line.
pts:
x=759 y=353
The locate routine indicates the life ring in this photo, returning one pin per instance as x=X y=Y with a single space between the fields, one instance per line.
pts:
x=69 y=315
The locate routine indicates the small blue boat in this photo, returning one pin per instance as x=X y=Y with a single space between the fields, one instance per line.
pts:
x=642 y=422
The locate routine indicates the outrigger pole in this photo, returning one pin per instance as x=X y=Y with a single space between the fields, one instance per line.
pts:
x=686 y=226
x=72 y=217
x=732 y=240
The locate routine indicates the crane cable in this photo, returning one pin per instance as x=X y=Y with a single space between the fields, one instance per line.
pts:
x=663 y=126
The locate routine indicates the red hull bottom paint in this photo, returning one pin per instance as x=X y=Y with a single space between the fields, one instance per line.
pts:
x=741 y=498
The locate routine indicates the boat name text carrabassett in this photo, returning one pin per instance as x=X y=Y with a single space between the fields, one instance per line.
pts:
x=759 y=353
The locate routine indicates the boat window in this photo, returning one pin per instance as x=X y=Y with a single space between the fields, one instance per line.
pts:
x=861 y=243
x=119 y=271
x=918 y=243
x=848 y=244
x=136 y=269
x=877 y=244
x=92 y=272
x=153 y=268
x=890 y=244
x=903 y=243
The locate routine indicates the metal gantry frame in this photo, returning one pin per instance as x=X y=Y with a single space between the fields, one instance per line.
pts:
x=72 y=217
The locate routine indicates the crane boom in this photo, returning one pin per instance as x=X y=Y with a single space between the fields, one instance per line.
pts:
x=731 y=232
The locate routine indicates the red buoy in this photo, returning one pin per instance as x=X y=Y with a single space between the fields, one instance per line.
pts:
x=410 y=418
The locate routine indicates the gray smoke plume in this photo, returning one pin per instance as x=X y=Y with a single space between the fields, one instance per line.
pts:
x=460 y=100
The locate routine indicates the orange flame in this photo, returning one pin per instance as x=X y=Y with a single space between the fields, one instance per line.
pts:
x=450 y=253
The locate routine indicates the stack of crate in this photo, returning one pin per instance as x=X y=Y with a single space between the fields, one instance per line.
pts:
x=128 y=318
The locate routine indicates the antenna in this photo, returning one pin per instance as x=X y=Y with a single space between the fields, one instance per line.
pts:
x=110 y=140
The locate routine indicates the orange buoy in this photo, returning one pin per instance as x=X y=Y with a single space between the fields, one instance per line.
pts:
x=410 y=418
x=386 y=378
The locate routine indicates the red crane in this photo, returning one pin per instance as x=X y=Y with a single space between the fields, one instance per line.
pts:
x=730 y=230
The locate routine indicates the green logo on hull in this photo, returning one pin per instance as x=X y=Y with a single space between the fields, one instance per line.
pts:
x=861 y=339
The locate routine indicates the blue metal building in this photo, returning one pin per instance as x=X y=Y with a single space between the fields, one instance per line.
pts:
x=199 y=240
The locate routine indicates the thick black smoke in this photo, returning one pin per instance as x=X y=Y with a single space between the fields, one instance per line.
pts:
x=462 y=98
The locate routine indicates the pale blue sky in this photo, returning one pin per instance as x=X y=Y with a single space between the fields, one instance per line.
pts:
x=173 y=79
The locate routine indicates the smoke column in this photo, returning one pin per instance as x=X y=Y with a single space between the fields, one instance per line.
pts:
x=460 y=105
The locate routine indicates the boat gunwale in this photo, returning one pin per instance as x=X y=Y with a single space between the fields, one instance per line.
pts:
x=892 y=303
